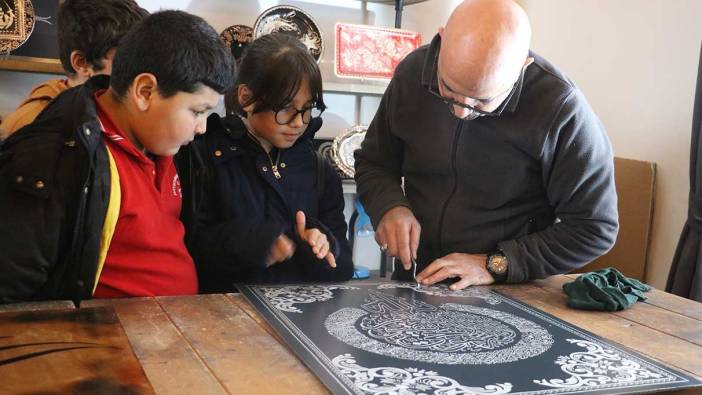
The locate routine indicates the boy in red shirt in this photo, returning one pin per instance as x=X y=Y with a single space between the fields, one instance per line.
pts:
x=89 y=195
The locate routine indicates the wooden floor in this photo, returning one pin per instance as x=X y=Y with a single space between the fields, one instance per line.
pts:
x=218 y=344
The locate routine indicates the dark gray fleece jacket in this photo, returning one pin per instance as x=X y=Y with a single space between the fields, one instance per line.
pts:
x=536 y=182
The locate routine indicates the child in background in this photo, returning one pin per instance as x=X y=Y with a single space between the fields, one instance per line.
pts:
x=265 y=208
x=88 y=34
x=89 y=196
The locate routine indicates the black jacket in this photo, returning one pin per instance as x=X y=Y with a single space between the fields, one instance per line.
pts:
x=54 y=190
x=234 y=208
x=536 y=182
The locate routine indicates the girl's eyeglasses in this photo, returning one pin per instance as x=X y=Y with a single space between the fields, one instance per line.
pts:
x=286 y=115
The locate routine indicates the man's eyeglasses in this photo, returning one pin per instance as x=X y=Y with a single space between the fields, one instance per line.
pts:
x=286 y=115
x=472 y=111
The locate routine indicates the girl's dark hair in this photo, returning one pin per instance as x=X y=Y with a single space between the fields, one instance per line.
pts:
x=273 y=67
x=94 y=27
x=180 y=49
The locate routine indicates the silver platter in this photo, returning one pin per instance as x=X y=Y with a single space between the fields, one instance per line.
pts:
x=345 y=145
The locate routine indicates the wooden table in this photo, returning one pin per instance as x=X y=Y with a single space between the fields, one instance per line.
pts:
x=218 y=344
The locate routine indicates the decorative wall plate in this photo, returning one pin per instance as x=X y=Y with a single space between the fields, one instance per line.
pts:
x=345 y=145
x=394 y=338
x=16 y=24
x=294 y=21
x=371 y=52
x=237 y=38
x=324 y=147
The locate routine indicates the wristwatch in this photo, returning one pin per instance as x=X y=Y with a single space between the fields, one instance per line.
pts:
x=497 y=264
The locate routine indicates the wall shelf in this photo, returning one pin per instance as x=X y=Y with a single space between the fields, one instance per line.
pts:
x=355 y=88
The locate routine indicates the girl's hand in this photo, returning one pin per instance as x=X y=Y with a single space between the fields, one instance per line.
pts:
x=316 y=239
x=283 y=248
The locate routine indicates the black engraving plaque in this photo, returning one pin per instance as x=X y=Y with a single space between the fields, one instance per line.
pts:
x=395 y=338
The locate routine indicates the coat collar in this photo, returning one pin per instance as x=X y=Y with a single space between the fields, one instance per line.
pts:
x=236 y=130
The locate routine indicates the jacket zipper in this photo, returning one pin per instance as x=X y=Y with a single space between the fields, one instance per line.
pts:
x=455 y=185
x=78 y=286
x=274 y=166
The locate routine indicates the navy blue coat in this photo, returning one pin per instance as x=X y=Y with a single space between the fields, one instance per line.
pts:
x=234 y=208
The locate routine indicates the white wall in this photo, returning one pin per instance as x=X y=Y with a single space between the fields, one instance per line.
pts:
x=636 y=61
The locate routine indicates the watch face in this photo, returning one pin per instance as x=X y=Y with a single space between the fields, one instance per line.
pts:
x=497 y=264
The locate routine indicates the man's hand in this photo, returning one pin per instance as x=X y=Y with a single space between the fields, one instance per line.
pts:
x=470 y=268
x=316 y=239
x=283 y=248
x=398 y=234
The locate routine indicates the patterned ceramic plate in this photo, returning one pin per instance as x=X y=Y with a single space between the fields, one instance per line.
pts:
x=291 y=20
x=16 y=24
x=237 y=38
x=324 y=148
x=345 y=145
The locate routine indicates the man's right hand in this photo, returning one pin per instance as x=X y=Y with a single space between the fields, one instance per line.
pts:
x=398 y=234
x=283 y=248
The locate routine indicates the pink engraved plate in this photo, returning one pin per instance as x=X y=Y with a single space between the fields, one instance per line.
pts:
x=371 y=52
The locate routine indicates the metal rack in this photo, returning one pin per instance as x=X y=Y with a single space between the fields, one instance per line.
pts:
x=399 y=6
x=364 y=89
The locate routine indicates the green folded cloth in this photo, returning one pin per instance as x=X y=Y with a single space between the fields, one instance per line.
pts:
x=604 y=289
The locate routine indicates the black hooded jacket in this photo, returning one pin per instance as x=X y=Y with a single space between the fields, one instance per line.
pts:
x=234 y=208
x=54 y=192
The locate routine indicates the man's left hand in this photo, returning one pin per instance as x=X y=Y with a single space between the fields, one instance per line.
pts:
x=470 y=268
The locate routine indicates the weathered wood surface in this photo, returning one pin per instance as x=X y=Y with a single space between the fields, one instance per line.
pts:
x=171 y=363
x=241 y=353
x=77 y=351
x=36 y=306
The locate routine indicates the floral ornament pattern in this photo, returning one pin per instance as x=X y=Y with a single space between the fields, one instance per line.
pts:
x=397 y=381
x=446 y=334
x=603 y=367
x=283 y=298
x=372 y=52
x=444 y=291
x=292 y=21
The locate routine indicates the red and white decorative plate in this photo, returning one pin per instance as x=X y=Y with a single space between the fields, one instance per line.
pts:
x=370 y=52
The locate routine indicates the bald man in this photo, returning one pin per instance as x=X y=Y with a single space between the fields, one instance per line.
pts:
x=508 y=173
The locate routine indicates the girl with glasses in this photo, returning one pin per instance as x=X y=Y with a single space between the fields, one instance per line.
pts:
x=266 y=207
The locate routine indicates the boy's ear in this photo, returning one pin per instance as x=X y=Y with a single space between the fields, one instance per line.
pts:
x=244 y=96
x=80 y=65
x=144 y=90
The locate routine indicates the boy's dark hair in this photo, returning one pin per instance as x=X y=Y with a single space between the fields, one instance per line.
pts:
x=181 y=50
x=273 y=67
x=94 y=27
